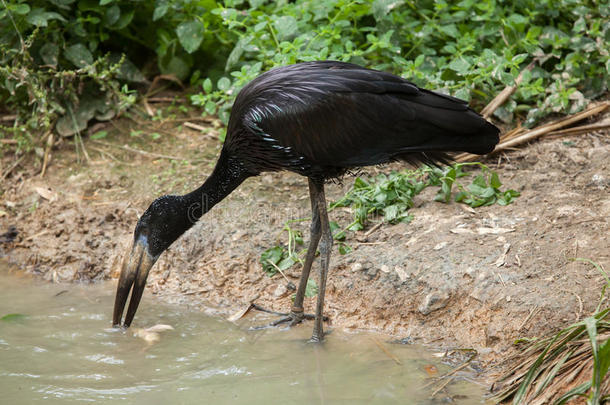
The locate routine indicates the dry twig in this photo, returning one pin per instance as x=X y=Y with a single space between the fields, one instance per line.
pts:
x=504 y=94
x=386 y=351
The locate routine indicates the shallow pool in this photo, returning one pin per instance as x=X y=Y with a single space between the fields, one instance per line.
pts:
x=61 y=349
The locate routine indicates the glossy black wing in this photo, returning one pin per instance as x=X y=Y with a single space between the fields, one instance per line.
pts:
x=343 y=115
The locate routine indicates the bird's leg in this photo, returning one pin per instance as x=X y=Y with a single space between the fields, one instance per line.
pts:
x=297 y=307
x=326 y=244
x=297 y=314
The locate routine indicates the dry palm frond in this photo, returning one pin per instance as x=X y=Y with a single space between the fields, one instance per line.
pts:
x=560 y=367
x=520 y=135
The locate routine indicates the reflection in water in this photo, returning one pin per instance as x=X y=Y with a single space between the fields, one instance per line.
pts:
x=63 y=351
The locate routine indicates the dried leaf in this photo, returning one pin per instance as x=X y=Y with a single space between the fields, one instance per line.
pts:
x=502 y=258
x=240 y=314
x=431 y=370
x=46 y=193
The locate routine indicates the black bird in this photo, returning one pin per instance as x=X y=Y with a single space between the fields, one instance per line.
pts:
x=317 y=119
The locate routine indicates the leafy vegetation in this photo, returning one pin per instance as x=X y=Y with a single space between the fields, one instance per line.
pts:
x=60 y=56
x=66 y=62
x=392 y=195
x=484 y=189
x=469 y=48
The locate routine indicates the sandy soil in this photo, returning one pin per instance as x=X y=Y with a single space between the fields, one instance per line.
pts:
x=452 y=278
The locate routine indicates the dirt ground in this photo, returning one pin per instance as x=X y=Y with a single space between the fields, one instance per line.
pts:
x=452 y=278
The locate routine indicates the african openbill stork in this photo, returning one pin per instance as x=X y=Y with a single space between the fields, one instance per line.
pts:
x=317 y=119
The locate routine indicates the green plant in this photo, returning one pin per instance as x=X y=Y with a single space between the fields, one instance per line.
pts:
x=388 y=195
x=391 y=195
x=471 y=49
x=279 y=258
x=54 y=85
x=484 y=189
x=65 y=62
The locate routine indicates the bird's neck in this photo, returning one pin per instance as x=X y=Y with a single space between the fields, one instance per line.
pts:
x=228 y=174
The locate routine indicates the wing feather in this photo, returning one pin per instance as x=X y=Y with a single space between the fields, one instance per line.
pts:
x=343 y=115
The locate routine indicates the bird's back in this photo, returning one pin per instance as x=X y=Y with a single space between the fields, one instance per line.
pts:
x=321 y=118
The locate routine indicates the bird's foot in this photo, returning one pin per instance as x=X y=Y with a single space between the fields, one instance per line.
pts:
x=294 y=317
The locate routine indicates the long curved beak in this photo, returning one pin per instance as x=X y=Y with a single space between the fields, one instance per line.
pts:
x=134 y=273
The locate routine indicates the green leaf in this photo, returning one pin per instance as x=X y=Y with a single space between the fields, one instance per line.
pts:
x=344 y=249
x=20 y=8
x=463 y=94
x=480 y=181
x=450 y=29
x=271 y=257
x=79 y=55
x=604 y=359
x=39 y=17
x=112 y=15
x=99 y=135
x=104 y=2
x=495 y=180
x=190 y=35
x=207 y=85
x=286 y=263
x=460 y=65
x=224 y=84
x=49 y=52
x=286 y=26
x=390 y=213
x=533 y=372
x=336 y=231
x=13 y=317
x=124 y=20
x=210 y=107
x=382 y=8
x=160 y=9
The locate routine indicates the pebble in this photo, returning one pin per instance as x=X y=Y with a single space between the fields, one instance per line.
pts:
x=357 y=267
x=280 y=290
x=470 y=272
x=402 y=275
x=433 y=302
x=440 y=245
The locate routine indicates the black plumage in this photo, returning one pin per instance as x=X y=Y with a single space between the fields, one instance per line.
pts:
x=318 y=119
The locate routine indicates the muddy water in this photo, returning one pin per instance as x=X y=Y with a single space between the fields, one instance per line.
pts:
x=61 y=350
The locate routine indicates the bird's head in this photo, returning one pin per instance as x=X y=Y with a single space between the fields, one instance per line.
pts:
x=164 y=221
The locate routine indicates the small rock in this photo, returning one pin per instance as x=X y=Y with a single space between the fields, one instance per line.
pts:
x=433 y=302
x=598 y=181
x=370 y=273
x=402 y=275
x=440 y=245
x=470 y=272
x=280 y=290
x=357 y=267
x=493 y=334
x=385 y=268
